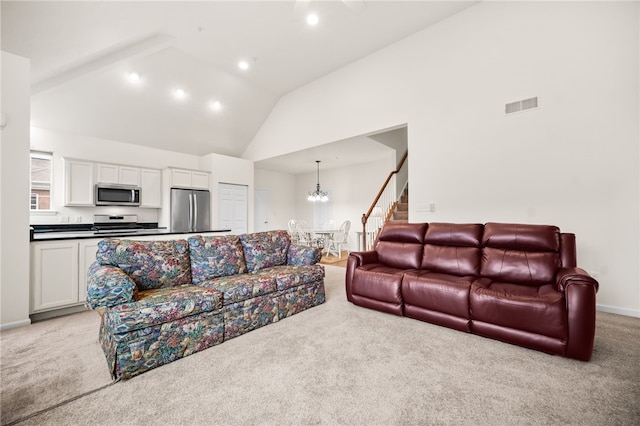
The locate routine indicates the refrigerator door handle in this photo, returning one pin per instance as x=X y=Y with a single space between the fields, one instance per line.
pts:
x=190 y=211
x=195 y=213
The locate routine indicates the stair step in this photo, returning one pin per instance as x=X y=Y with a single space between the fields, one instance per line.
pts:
x=400 y=215
x=402 y=207
x=404 y=199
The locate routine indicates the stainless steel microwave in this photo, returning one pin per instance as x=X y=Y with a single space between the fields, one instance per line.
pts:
x=117 y=195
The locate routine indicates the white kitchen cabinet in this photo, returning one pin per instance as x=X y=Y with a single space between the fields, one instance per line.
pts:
x=106 y=173
x=150 y=188
x=59 y=273
x=78 y=182
x=129 y=175
x=113 y=173
x=86 y=256
x=191 y=179
x=54 y=275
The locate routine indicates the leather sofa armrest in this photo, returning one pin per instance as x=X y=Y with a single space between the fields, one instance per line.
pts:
x=579 y=290
x=298 y=255
x=569 y=276
x=355 y=259
x=108 y=286
x=364 y=257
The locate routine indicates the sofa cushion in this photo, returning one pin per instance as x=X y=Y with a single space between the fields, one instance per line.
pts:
x=289 y=276
x=512 y=236
x=378 y=282
x=438 y=292
x=454 y=234
x=538 y=309
x=159 y=306
x=522 y=254
x=265 y=249
x=213 y=257
x=150 y=264
x=521 y=267
x=236 y=288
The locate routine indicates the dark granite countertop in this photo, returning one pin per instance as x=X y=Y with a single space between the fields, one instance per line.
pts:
x=52 y=233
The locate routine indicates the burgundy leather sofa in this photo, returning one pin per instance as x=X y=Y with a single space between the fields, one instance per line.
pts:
x=512 y=282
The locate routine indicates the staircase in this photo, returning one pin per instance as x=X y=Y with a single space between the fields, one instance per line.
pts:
x=401 y=211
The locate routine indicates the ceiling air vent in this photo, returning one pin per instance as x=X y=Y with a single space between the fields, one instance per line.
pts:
x=520 y=106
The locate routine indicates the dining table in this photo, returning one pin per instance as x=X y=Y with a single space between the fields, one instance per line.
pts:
x=324 y=234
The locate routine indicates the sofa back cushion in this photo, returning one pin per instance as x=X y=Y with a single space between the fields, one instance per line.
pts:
x=453 y=248
x=213 y=257
x=265 y=249
x=400 y=245
x=150 y=264
x=520 y=254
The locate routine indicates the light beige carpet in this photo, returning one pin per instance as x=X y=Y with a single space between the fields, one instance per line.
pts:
x=341 y=364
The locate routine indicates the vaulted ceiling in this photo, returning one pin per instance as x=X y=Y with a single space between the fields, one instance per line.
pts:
x=82 y=54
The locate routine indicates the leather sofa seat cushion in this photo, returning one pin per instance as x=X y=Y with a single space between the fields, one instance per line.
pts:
x=438 y=292
x=213 y=257
x=150 y=264
x=265 y=249
x=539 y=310
x=163 y=305
x=289 y=276
x=236 y=288
x=378 y=282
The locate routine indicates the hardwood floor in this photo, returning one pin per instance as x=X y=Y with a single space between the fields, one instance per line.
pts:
x=334 y=261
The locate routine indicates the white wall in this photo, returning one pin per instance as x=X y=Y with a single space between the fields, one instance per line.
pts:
x=282 y=196
x=14 y=192
x=103 y=151
x=574 y=162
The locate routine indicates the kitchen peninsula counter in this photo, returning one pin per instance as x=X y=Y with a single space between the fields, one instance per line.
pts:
x=61 y=234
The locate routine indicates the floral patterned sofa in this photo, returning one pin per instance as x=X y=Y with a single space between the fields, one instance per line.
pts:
x=163 y=300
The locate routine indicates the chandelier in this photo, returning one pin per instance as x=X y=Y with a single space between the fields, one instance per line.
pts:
x=318 y=194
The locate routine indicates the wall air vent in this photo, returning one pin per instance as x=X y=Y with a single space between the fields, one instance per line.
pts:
x=520 y=106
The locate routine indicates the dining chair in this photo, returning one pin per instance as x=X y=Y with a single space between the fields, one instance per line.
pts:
x=339 y=239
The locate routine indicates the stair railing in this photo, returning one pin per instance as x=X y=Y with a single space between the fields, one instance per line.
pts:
x=381 y=208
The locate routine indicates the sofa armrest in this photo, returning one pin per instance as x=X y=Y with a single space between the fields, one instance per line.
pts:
x=108 y=286
x=355 y=259
x=364 y=257
x=302 y=255
x=569 y=276
x=579 y=290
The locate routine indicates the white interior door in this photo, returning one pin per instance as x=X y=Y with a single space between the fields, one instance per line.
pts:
x=261 y=207
x=233 y=207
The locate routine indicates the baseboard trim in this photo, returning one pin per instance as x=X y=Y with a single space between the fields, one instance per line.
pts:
x=15 y=324
x=619 y=311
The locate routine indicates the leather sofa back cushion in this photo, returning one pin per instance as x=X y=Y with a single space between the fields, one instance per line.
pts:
x=150 y=264
x=510 y=236
x=403 y=232
x=399 y=255
x=213 y=257
x=265 y=249
x=460 y=261
x=519 y=267
x=454 y=234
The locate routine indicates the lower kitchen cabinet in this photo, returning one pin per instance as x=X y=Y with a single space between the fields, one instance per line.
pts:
x=59 y=273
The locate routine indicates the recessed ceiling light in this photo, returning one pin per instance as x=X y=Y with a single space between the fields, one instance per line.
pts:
x=312 y=19
x=180 y=93
x=243 y=65
x=134 y=77
x=215 y=105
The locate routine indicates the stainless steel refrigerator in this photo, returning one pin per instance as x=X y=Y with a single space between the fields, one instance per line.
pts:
x=190 y=210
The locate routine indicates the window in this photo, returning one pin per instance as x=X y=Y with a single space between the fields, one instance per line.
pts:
x=41 y=179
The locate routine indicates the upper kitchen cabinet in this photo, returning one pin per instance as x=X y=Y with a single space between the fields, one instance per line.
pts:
x=112 y=173
x=150 y=188
x=191 y=179
x=78 y=182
